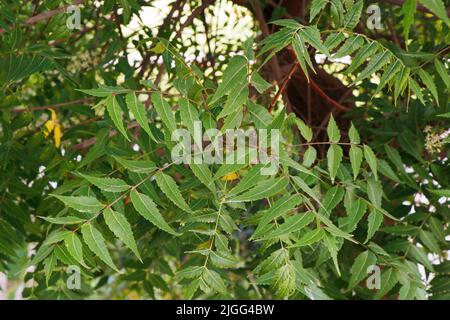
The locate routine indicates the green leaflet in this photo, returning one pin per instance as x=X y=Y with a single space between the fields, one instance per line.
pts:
x=96 y=243
x=330 y=244
x=374 y=192
x=316 y=7
x=116 y=114
x=334 y=159
x=234 y=103
x=252 y=177
x=138 y=166
x=359 y=268
x=233 y=120
x=334 y=135
x=355 y=212
x=429 y=83
x=417 y=90
x=235 y=76
x=259 y=83
x=49 y=266
x=42 y=253
x=376 y=63
x=104 y=91
x=107 y=184
x=121 y=228
x=63 y=220
x=374 y=222
x=420 y=256
x=438 y=8
x=302 y=55
x=284 y=280
x=75 y=247
x=212 y=280
x=223 y=259
x=389 y=74
x=165 y=111
x=169 y=187
x=189 y=272
x=356 y=157
x=442 y=71
x=312 y=35
x=386 y=170
x=189 y=115
x=408 y=11
x=334 y=39
x=305 y=131
x=310 y=156
x=293 y=223
x=352 y=44
x=279 y=208
x=55 y=237
x=202 y=172
x=82 y=204
x=352 y=17
x=371 y=159
x=306 y=189
x=429 y=240
x=147 y=208
x=389 y=279
x=262 y=190
x=366 y=51
x=137 y=108
x=228 y=168
x=333 y=197
x=401 y=79
x=310 y=238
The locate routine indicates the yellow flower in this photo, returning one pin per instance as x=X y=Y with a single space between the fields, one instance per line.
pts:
x=53 y=125
x=230 y=177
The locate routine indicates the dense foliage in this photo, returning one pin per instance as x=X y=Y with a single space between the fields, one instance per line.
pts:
x=87 y=178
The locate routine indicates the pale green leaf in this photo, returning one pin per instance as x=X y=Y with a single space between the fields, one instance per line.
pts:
x=169 y=187
x=121 y=228
x=96 y=243
x=116 y=114
x=107 y=184
x=81 y=204
x=147 y=208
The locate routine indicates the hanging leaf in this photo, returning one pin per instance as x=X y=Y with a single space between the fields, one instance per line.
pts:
x=121 y=228
x=312 y=35
x=138 y=166
x=169 y=187
x=371 y=159
x=316 y=7
x=235 y=76
x=262 y=190
x=202 y=172
x=96 y=243
x=374 y=222
x=137 y=108
x=147 y=208
x=310 y=238
x=292 y=224
x=75 y=247
x=165 y=111
x=334 y=135
x=107 y=184
x=359 y=268
x=429 y=83
x=116 y=114
x=334 y=159
x=82 y=204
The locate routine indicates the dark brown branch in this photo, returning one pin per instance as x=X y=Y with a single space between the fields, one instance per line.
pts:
x=283 y=86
